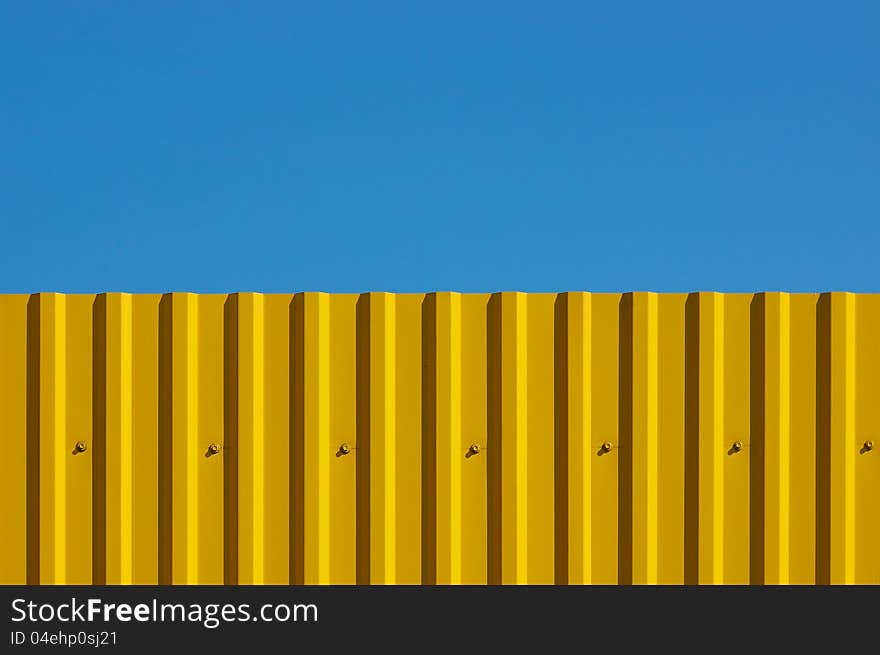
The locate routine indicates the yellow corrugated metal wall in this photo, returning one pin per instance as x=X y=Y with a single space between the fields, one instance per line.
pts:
x=440 y=438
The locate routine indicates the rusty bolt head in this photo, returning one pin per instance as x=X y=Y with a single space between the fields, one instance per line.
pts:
x=607 y=446
x=214 y=448
x=869 y=445
x=737 y=446
x=345 y=448
x=81 y=446
x=474 y=449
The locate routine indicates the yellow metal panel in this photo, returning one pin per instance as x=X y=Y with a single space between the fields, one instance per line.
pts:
x=210 y=401
x=52 y=439
x=78 y=350
x=802 y=417
x=113 y=452
x=842 y=441
x=145 y=430
x=245 y=444
x=276 y=446
x=178 y=466
x=407 y=408
x=540 y=455
x=474 y=430
x=735 y=425
x=605 y=364
x=344 y=428
x=774 y=489
x=709 y=443
x=671 y=345
x=310 y=470
x=867 y=426
x=378 y=387
x=508 y=440
x=440 y=438
x=442 y=400
x=15 y=470
x=641 y=361
x=573 y=442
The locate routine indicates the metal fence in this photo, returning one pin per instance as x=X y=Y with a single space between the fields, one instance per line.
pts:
x=440 y=438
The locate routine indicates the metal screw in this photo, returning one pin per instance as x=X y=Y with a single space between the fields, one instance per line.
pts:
x=607 y=446
x=81 y=446
x=214 y=448
x=474 y=449
x=345 y=448
x=737 y=446
x=869 y=445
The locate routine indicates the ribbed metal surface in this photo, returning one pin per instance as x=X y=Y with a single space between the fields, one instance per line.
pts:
x=504 y=438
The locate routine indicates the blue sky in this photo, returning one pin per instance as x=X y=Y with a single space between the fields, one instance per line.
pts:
x=414 y=146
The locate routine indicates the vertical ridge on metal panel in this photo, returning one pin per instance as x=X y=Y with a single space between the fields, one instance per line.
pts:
x=540 y=450
x=443 y=449
x=475 y=550
x=346 y=518
x=52 y=439
x=80 y=471
x=383 y=439
x=210 y=405
x=383 y=436
x=296 y=452
x=431 y=531
x=867 y=420
x=710 y=409
x=775 y=437
x=842 y=438
x=643 y=445
x=251 y=439
x=671 y=432
x=736 y=429
x=312 y=416
x=573 y=439
x=147 y=425
x=231 y=430
x=113 y=534
x=605 y=434
x=406 y=404
x=638 y=439
x=803 y=438
x=277 y=442
x=508 y=439
x=184 y=435
x=244 y=442
x=15 y=375
x=377 y=461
